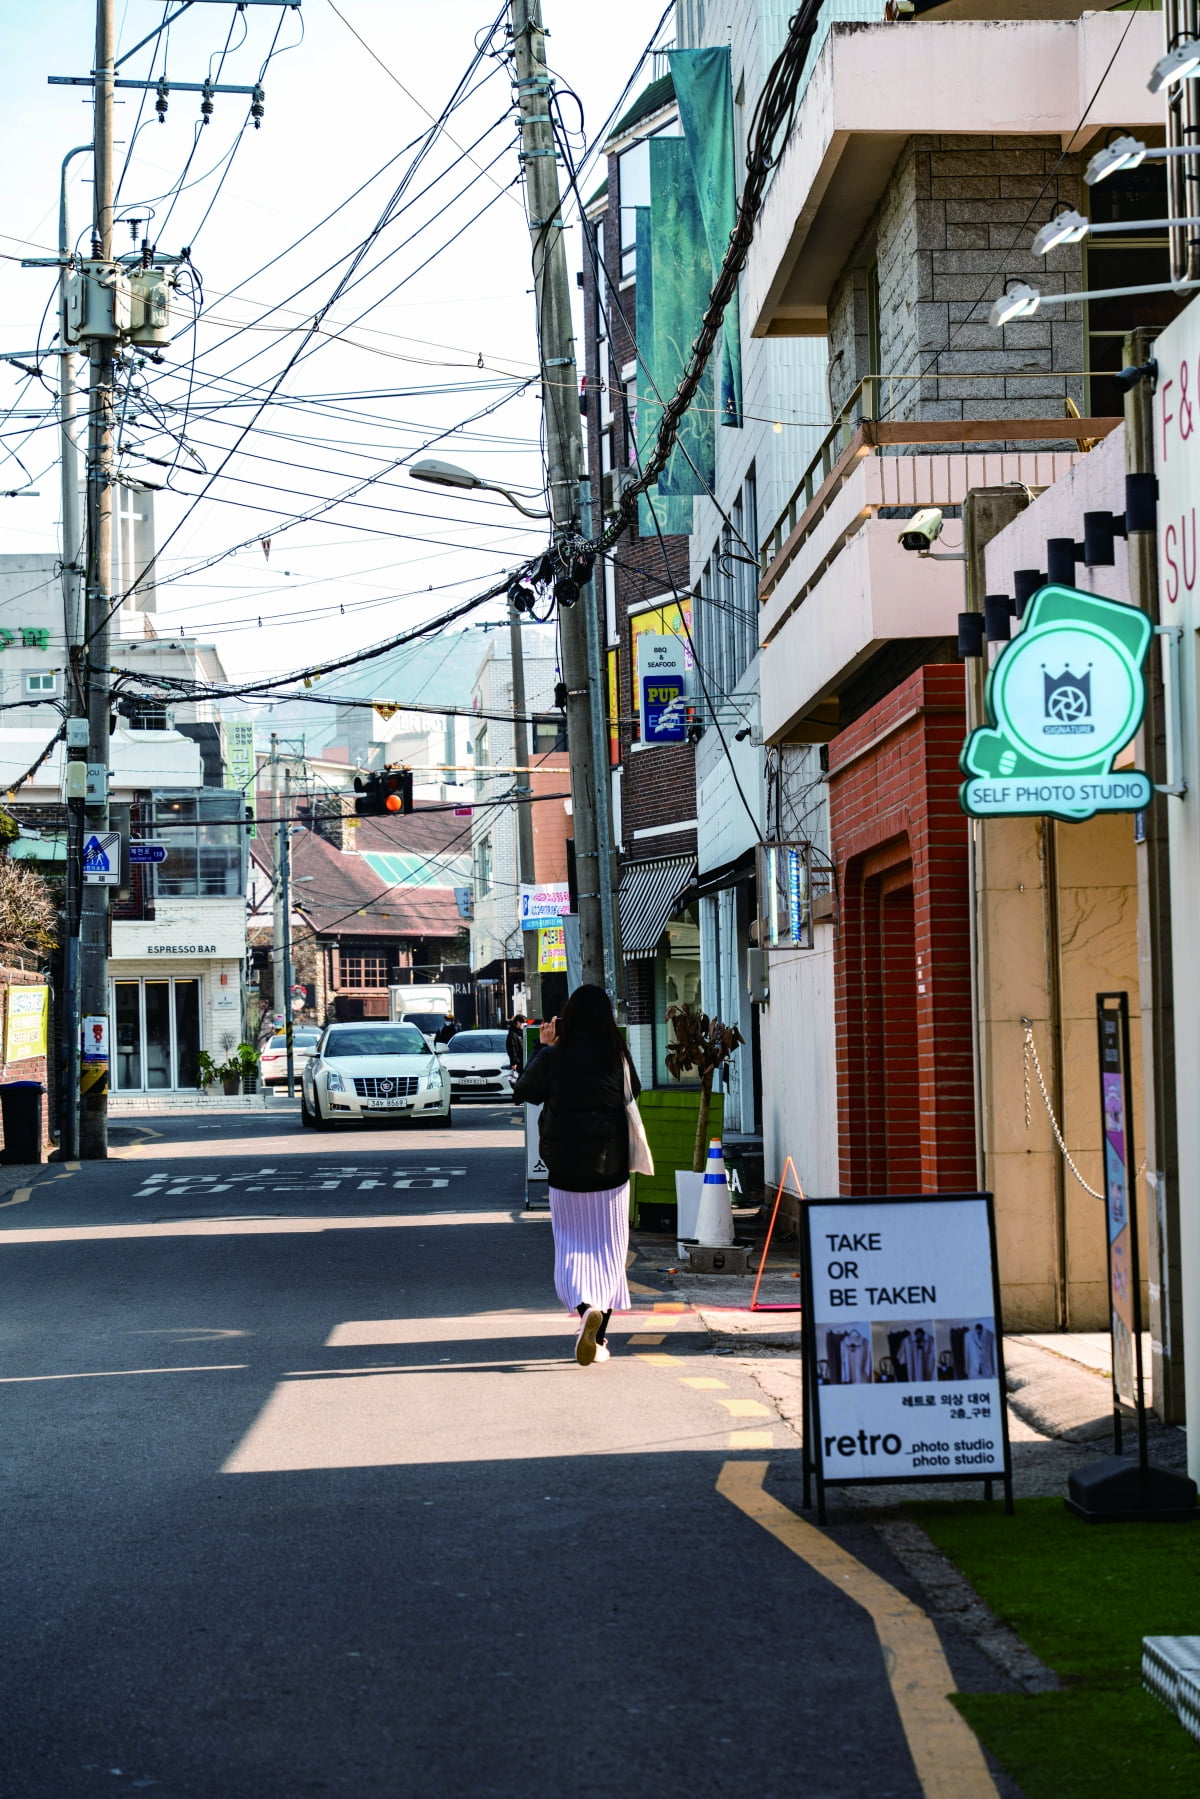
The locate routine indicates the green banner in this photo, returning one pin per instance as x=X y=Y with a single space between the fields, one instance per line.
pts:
x=671 y=511
x=704 y=94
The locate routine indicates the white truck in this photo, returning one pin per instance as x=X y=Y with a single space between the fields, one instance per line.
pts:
x=428 y=1007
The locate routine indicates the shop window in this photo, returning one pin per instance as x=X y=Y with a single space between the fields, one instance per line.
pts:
x=361 y=973
x=676 y=983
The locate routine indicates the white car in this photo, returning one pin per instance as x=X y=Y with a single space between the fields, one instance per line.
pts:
x=478 y=1065
x=370 y=1070
x=272 y=1063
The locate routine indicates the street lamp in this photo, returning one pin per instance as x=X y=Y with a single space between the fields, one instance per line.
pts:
x=448 y=474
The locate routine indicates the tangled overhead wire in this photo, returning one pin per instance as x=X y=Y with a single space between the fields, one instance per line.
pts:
x=557 y=578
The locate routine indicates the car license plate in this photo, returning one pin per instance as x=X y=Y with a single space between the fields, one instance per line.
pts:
x=385 y=1105
x=470 y=1080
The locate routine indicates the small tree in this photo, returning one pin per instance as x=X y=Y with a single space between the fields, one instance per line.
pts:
x=28 y=917
x=704 y=1044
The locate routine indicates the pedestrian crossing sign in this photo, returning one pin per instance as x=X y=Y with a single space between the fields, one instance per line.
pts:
x=102 y=859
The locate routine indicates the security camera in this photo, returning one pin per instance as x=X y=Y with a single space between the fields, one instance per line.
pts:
x=922 y=530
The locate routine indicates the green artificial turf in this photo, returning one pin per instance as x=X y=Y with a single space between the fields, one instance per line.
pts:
x=1083 y=1597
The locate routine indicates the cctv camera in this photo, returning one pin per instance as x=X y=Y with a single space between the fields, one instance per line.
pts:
x=923 y=529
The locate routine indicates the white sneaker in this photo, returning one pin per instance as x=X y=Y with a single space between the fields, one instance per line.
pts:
x=585 y=1342
x=603 y=1353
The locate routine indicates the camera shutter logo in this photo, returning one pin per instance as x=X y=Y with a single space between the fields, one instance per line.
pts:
x=1068 y=703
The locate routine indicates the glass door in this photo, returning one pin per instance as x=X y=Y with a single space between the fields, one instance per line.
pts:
x=157 y=1026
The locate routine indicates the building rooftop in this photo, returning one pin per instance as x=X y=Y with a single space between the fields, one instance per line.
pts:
x=652 y=99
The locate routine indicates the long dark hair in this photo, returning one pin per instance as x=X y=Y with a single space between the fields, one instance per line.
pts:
x=588 y=1013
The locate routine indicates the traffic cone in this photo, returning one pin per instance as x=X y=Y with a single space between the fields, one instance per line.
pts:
x=714 y=1222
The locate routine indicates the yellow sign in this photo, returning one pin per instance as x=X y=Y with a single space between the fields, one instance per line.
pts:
x=672 y=620
x=25 y=1023
x=552 y=950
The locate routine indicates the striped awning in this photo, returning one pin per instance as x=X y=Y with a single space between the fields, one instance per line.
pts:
x=646 y=899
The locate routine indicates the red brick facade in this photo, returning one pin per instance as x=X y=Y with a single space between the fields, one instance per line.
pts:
x=902 y=960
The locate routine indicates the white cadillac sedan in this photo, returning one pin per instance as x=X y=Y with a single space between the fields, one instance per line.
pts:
x=478 y=1065
x=370 y=1070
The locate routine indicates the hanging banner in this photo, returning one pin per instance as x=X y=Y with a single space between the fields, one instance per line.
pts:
x=545 y=905
x=902 y=1340
x=1063 y=698
x=703 y=85
x=26 y=1012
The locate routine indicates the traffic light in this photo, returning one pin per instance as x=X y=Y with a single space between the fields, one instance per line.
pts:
x=385 y=794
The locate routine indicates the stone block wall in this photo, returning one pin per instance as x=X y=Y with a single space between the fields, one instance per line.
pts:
x=957 y=219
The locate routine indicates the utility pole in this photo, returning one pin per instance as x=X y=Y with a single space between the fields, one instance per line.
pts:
x=564 y=447
x=278 y=972
x=524 y=806
x=72 y=570
x=94 y=655
x=283 y=889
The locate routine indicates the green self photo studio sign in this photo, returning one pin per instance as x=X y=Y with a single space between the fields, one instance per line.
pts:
x=1063 y=699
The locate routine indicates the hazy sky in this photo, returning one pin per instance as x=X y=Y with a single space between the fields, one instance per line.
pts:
x=453 y=339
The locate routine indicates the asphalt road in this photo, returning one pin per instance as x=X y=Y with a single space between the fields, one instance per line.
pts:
x=304 y=1495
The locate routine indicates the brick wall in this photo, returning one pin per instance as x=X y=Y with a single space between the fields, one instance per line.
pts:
x=902 y=954
x=957 y=212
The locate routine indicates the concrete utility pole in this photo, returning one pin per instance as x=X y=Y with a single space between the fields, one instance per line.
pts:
x=93 y=948
x=524 y=807
x=283 y=889
x=72 y=580
x=278 y=971
x=564 y=448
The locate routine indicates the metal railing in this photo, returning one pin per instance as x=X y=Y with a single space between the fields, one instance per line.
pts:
x=858 y=430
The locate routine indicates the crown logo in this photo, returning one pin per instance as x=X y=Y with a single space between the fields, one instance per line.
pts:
x=1068 y=702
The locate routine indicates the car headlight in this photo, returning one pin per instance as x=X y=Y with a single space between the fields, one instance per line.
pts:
x=334 y=1081
x=433 y=1079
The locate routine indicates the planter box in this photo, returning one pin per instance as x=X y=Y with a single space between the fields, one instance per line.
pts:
x=669 y=1115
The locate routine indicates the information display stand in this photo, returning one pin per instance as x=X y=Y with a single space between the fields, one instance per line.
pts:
x=902 y=1343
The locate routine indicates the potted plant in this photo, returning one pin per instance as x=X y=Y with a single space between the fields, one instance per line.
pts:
x=208 y=1070
x=703 y=1045
x=245 y=1060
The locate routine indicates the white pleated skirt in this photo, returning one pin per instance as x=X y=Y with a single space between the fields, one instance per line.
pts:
x=591 y=1244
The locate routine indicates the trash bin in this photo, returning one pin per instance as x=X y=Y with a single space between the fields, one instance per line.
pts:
x=21 y=1112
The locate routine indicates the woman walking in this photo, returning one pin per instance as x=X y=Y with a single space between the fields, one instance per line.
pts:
x=578 y=1077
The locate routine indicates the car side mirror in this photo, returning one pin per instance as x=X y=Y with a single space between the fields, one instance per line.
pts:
x=439 y=1049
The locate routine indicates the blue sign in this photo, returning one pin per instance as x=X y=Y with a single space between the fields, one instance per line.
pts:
x=664 y=708
x=147 y=852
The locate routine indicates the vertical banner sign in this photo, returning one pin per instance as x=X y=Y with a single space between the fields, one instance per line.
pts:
x=93 y=1054
x=1120 y=1200
x=240 y=766
x=662 y=681
x=903 y=1363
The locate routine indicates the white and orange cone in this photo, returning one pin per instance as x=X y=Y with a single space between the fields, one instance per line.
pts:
x=714 y=1222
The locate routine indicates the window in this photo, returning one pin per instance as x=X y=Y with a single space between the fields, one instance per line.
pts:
x=633 y=166
x=481 y=747
x=360 y=973
x=602 y=301
x=204 y=836
x=40 y=684
x=549 y=734
x=1136 y=259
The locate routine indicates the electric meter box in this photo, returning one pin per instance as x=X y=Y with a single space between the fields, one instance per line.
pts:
x=151 y=306
x=99 y=303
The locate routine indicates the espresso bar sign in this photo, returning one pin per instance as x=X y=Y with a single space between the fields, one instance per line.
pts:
x=903 y=1353
x=1063 y=699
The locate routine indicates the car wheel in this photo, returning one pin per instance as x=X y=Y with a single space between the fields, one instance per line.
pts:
x=306 y=1117
x=313 y=1119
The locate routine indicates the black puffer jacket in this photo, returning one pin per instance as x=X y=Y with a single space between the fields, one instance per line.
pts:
x=584 y=1137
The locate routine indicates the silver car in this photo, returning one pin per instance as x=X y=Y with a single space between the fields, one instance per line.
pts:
x=373 y=1070
x=478 y=1065
x=272 y=1062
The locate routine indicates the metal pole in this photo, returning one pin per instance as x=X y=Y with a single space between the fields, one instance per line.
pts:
x=592 y=600
x=93 y=957
x=524 y=807
x=285 y=866
x=72 y=570
x=564 y=443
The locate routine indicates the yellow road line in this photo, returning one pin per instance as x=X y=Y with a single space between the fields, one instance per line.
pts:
x=946 y=1753
x=23 y=1194
x=702 y=1382
x=746 y=1408
x=660 y=1361
x=647 y=1337
x=751 y=1439
x=636 y=1287
x=669 y=1306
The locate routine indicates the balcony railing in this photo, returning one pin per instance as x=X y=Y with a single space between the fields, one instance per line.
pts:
x=858 y=432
